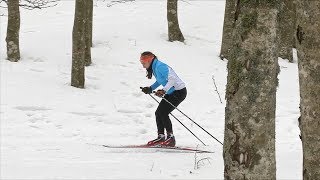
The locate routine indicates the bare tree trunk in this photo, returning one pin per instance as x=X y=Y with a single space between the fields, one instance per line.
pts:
x=90 y=4
x=249 y=140
x=308 y=46
x=287 y=18
x=88 y=32
x=174 y=31
x=78 y=45
x=13 y=28
x=228 y=26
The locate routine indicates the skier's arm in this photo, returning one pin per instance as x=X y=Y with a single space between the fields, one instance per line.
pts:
x=155 y=85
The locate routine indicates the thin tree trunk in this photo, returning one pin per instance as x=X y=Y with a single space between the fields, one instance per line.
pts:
x=78 y=45
x=249 y=141
x=174 y=31
x=228 y=26
x=90 y=4
x=308 y=46
x=88 y=32
x=13 y=28
x=287 y=20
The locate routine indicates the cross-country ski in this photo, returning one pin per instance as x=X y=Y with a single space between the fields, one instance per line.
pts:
x=174 y=148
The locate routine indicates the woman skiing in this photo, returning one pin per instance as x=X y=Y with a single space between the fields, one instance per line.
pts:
x=174 y=91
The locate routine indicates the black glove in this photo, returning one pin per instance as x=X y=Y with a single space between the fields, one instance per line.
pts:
x=146 y=90
x=160 y=93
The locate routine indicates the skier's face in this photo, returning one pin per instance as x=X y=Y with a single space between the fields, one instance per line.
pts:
x=146 y=61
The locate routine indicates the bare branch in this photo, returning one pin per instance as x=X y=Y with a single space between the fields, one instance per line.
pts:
x=214 y=82
x=33 y=4
x=38 y=4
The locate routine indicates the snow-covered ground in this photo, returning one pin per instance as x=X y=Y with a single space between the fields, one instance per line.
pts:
x=50 y=130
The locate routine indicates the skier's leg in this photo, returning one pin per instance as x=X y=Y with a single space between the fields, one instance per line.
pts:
x=162 y=116
x=159 y=121
x=175 y=98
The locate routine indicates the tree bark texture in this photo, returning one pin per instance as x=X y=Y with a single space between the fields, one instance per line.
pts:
x=249 y=141
x=90 y=4
x=174 y=31
x=228 y=26
x=88 y=32
x=308 y=47
x=78 y=45
x=13 y=29
x=287 y=19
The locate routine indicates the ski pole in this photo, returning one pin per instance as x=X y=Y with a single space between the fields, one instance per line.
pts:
x=190 y=119
x=179 y=121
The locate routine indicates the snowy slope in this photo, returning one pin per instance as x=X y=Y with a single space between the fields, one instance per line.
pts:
x=51 y=130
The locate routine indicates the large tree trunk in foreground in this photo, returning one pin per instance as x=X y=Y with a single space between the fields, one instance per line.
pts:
x=249 y=141
x=287 y=19
x=308 y=46
x=228 y=26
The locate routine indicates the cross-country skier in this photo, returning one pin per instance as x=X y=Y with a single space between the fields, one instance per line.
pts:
x=174 y=90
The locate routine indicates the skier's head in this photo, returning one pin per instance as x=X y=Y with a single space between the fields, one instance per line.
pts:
x=146 y=59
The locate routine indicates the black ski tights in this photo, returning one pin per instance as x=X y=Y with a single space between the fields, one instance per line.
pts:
x=164 y=109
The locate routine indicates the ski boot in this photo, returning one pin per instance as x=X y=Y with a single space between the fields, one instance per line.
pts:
x=170 y=141
x=157 y=141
